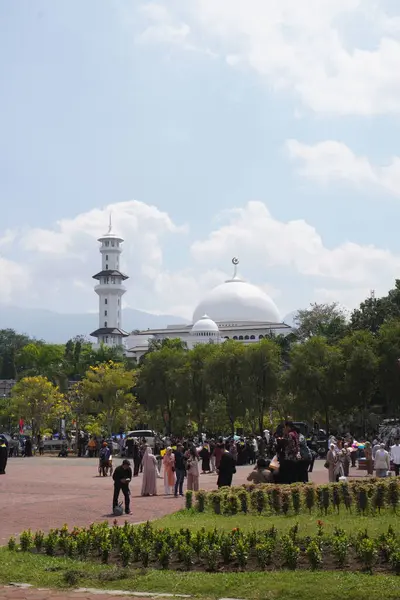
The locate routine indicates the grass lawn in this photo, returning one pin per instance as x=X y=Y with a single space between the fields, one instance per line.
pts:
x=351 y=522
x=44 y=571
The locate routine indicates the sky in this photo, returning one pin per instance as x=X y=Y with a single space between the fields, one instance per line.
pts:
x=260 y=129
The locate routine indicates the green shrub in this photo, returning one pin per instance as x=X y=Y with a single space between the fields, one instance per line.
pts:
x=367 y=553
x=290 y=552
x=26 y=540
x=340 y=549
x=314 y=555
x=189 y=499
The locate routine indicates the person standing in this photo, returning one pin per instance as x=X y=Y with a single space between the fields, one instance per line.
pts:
x=345 y=459
x=149 y=482
x=104 y=459
x=192 y=467
x=122 y=477
x=180 y=470
x=368 y=458
x=205 y=459
x=137 y=458
x=382 y=462
x=227 y=468
x=3 y=455
x=169 y=471
x=395 y=456
x=333 y=462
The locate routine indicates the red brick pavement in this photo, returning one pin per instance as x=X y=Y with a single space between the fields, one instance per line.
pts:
x=42 y=492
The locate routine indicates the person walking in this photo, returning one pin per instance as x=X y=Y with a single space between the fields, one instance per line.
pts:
x=180 y=470
x=395 y=456
x=149 y=483
x=3 y=455
x=382 y=462
x=169 y=471
x=368 y=458
x=122 y=477
x=227 y=468
x=192 y=467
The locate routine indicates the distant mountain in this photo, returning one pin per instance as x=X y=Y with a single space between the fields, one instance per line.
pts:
x=58 y=328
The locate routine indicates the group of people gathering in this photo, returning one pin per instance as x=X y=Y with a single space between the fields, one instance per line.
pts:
x=377 y=456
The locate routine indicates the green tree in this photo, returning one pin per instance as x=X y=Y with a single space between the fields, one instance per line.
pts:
x=163 y=385
x=107 y=391
x=315 y=378
x=360 y=371
x=324 y=320
x=261 y=373
x=225 y=374
x=38 y=402
x=388 y=350
x=198 y=388
x=374 y=312
x=10 y=344
x=39 y=358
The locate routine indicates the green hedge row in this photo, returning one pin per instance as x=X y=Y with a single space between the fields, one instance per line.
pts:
x=365 y=496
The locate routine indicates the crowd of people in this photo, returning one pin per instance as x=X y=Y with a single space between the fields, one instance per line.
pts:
x=377 y=456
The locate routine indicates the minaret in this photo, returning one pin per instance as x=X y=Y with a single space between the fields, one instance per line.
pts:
x=110 y=290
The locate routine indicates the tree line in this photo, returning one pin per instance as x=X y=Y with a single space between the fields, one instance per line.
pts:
x=344 y=372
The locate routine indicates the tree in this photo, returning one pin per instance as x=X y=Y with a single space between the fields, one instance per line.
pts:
x=39 y=358
x=262 y=368
x=107 y=389
x=10 y=343
x=388 y=350
x=225 y=374
x=360 y=371
x=197 y=385
x=326 y=320
x=374 y=312
x=38 y=402
x=162 y=384
x=315 y=378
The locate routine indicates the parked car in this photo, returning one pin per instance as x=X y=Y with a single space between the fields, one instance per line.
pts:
x=148 y=434
x=13 y=444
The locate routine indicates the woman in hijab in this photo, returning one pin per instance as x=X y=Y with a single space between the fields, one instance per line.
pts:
x=169 y=471
x=149 y=483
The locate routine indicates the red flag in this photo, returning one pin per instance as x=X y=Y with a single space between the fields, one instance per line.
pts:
x=21 y=426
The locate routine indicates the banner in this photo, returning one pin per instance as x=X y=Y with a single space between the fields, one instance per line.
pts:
x=21 y=426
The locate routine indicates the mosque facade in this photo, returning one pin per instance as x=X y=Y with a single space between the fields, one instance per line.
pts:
x=235 y=310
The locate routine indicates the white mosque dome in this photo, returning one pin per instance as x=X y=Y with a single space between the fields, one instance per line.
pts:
x=237 y=301
x=205 y=325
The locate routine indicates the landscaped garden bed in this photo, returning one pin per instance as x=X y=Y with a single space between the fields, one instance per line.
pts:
x=365 y=497
x=148 y=546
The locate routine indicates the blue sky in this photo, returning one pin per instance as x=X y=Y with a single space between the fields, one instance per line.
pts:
x=198 y=109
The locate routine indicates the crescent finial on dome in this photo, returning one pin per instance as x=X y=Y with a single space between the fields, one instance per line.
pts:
x=235 y=262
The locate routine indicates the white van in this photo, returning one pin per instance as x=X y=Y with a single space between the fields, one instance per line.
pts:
x=148 y=434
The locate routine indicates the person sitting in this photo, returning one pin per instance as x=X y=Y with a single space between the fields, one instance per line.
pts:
x=261 y=473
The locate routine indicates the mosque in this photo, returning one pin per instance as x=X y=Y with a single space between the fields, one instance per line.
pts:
x=234 y=309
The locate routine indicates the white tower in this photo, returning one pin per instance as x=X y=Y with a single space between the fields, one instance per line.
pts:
x=110 y=290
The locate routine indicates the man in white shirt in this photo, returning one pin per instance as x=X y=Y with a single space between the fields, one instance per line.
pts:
x=395 y=456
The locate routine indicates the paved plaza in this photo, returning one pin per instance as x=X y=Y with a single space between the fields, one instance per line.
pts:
x=45 y=492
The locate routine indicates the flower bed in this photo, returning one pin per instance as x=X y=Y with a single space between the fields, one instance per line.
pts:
x=366 y=497
x=145 y=546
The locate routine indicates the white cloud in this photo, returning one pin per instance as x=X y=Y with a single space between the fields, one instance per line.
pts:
x=56 y=265
x=308 y=47
x=263 y=241
x=331 y=161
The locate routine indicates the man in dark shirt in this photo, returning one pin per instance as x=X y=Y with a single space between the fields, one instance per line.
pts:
x=122 y=476
x=180 y=469
x=227 y=468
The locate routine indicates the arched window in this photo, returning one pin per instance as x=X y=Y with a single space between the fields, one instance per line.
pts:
x=235 y=337
x=105 y=323
x=260 y=337
x=226 y=337
x=246 y=337
x=240 y=337
x=252 y=337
